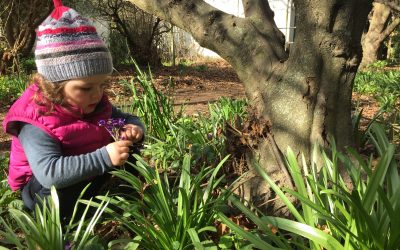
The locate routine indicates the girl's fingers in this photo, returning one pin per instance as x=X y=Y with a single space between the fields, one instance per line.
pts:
x=129 y=134
x=124 y=143
x=137 y=133
x=124 y=150
x=124 y=156
x=132 y=133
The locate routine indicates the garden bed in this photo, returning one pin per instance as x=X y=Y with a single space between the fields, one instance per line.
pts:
x=194 y=86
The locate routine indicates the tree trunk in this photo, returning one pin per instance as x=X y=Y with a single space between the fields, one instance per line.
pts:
x=380 y=27
x=307 y=98
x=297 y=99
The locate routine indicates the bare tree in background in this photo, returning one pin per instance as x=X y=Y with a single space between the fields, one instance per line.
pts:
x=140 y=29
x=384 y=19
x=18 y=20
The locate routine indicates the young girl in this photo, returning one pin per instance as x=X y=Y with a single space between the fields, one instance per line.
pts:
x=56 y=139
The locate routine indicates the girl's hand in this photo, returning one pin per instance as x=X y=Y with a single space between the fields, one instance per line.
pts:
x=131 y=133
x=119 y=152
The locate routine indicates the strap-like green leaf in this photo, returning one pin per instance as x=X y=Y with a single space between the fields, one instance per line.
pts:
x=317 y=236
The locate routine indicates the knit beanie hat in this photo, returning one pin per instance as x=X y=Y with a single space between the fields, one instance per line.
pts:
x=68 y=47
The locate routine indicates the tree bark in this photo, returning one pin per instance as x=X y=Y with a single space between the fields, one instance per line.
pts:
x=381 y=26
x=393 y=4
x=298 y=99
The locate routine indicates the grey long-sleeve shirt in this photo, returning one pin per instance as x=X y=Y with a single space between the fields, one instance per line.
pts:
x=50 y=167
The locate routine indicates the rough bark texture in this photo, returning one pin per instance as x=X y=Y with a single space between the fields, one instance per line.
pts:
x=300 y=97
x=381 y=25
x=393 y=4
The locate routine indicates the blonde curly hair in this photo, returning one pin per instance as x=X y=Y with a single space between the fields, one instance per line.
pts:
x=49 y=94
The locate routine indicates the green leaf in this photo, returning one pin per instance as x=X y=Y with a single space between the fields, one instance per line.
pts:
x=259 y=243
x=279 y=192
x=297 y=177
x=315 y=235
x=377 y=179
x=225 y=242
x=259 y=222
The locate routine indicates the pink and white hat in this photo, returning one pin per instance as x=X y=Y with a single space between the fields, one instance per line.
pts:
x=68 y=47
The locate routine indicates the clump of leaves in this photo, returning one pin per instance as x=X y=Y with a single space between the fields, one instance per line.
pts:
x=11 y=87
x=383 y=85
x=166 y=212
x=333 y=216
x=8 y=199
x=44 y=229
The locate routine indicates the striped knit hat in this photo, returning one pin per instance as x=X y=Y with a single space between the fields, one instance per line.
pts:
x=68 y=47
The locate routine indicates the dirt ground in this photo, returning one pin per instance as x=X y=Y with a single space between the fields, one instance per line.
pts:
x=193 y=86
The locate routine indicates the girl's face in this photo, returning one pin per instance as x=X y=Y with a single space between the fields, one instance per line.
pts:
x=85 y=93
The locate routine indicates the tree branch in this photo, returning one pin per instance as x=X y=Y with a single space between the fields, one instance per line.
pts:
x=262 y=17
x=219 y=31
x=190 y=15
x=257 y=8
x=153 y=31
x=390 y=28
x=393 y=4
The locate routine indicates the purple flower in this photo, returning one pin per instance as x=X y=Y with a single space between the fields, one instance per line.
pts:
x=113 y=126
x=67 y=245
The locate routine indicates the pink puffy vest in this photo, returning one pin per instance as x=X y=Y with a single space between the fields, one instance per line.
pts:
x=76 y=134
